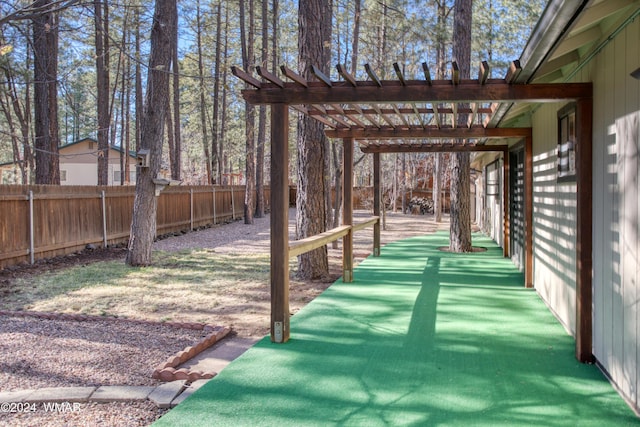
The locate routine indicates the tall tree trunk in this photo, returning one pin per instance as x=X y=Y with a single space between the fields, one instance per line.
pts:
x=176 y=154
x=143 y=224
x=356 y=35
x=274 y=39
x=460 y=227
x=139 y=99
x=101 y=21
x=45 y=93
x=314 y=40
x=437 y=187
x=170 y=134
x=203 y=105
x=438 y=170
x=336 y=147
x=250 y=166
x=5 y=102
x=222 y=160
x=127 y=122
x=262 y=118
x=213 y=164
x=22 y=148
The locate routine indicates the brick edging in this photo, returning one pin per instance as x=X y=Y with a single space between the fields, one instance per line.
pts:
x=165 y=371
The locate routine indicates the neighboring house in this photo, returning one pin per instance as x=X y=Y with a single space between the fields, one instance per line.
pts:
x=10 y=173
x=581 y=42
x=79 y=165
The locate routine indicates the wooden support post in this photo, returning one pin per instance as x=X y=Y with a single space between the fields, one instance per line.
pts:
x=505 y=203
x=279 y=223
x=376 y=203
x=528 y=211
x=347 y=209
x=584 y=234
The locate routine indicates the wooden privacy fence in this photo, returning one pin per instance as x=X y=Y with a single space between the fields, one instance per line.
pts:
x=41 y=221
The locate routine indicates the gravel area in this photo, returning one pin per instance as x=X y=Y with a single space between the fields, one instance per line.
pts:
x=49 y=353
x=116 y=414
x=86 y=353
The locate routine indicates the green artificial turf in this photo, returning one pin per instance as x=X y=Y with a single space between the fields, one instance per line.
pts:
x=421 y=337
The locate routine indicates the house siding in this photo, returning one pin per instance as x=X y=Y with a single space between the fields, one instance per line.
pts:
x=616 y=246
x=554 y=221
x=78 y=165
x=616 y=213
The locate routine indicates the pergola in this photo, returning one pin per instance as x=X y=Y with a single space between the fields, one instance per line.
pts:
x=420 y=115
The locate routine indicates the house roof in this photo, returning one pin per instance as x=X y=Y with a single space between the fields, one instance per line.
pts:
x=568 y=35
x=119 y=149
x=132 y=153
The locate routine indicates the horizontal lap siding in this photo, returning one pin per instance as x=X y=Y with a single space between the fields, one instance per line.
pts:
x=554 y=221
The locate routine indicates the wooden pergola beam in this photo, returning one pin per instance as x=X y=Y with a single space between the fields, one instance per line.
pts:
x=246 y=77
x=295 y=77
x=265 y=74
x=342 y=70
x=474 y=132
x=415 y=91
x=427 y=73
x=372 y=75
x=430 y=148
x=455 y=73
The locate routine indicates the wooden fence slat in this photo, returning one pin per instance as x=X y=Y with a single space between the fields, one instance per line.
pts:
x=67 y=218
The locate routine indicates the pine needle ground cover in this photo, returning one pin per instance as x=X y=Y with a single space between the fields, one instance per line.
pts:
x=421 y=337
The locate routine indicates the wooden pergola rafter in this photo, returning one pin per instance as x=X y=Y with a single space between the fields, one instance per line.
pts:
x=413 y=115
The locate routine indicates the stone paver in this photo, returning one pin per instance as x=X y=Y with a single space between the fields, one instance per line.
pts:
x=188 y=392
x=115 y=393
x=14 y=396
x=164 y=394
x=61 y=394
x=217 y=357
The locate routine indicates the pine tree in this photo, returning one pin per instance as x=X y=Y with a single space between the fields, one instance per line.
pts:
x=460 y=226
x=314 y=39
x=143 y=224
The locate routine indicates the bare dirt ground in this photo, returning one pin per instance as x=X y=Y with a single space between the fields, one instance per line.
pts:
x=46 y=353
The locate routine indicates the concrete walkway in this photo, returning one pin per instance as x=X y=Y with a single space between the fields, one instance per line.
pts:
x=166 y=395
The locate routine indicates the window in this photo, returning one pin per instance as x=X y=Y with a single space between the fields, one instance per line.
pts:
x=116 y=177
x=63 y=175
x=493 y=181
x=567 y=143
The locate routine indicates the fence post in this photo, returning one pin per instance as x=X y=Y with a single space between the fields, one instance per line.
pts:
x=31 y=233
x=214 y=205
x=104 y=218
x=233 y=205
x=191 y=208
